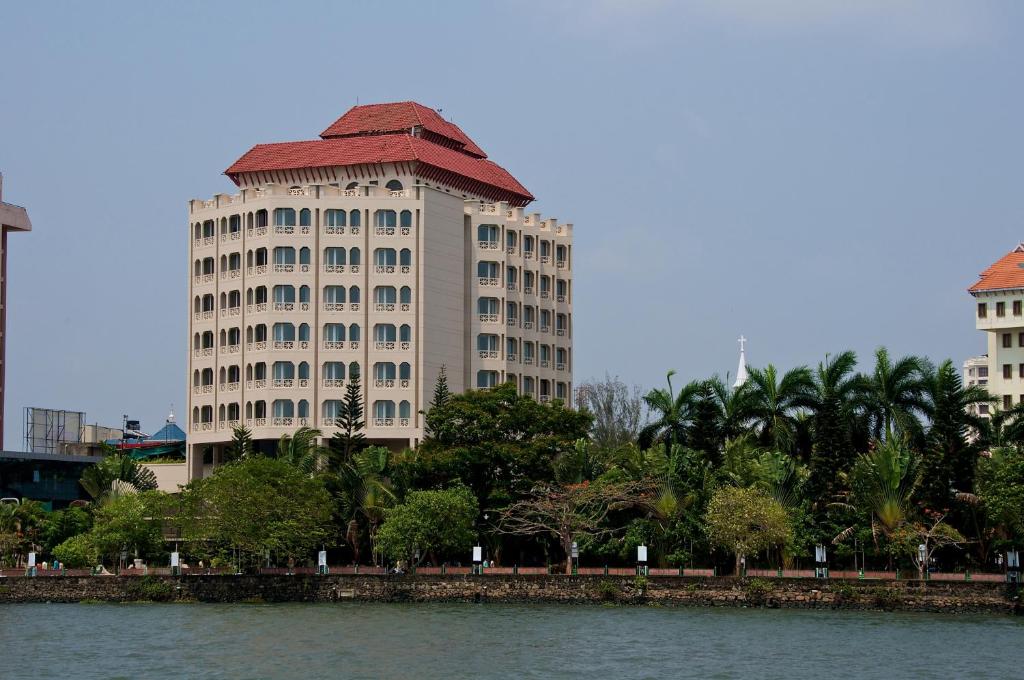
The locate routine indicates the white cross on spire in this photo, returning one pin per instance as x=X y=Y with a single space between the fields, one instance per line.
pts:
x=741 y=371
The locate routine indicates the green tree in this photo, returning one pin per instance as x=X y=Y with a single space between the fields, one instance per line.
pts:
x=61 y=525
x=77 y=552
x=746 y=521
x=241 y=444
x=674 y=414
x=349 y=439
x=98 y=479
x=301 y=449
x=775 y=402
x=497 y=442
x=1000 y=494
x=837 y=393
x=896 y=396
x=882 y=484
x=131 y=522
x=435 y=522
x=255 y=505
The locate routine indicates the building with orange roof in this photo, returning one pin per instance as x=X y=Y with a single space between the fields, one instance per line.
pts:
x=999 y=311
x=389 y=247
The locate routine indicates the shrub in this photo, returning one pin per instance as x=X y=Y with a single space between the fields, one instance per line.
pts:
x=886 y=598
x=844 y=592
x=149 y=589
x=77 y=552
x=757 y=590
x=608 y=590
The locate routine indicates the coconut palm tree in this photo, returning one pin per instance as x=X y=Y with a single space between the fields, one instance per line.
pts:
x=98 y=479
x=734 y=406
x=674 y=414
x=896 y=396
x=775 y=402
x=301 y=449
x=837 y=394
x=364 y=492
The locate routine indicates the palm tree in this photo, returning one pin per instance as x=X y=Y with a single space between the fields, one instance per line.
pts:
x=838 y=392
x=364 y=492
x=951 y=451
x=896 y=396
x=675 y=414
x=734 y=407
x=774 y=404
x=98 y=479
x=882 y=483
x=301 y=449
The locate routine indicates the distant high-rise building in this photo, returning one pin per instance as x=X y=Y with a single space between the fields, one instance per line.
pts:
x=12 y=218
x=389 y=247
x=976 y=373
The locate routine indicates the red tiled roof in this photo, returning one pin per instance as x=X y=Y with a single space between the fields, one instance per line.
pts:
x=401 y=117
x=1006 y=273
x=436 y=162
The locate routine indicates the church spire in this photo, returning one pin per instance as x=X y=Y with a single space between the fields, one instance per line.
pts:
x=741 y=372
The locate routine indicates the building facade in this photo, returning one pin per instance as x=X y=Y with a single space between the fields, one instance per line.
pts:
x=390 y=247
x=12 y=218
x=976 y=373
x=999 y=311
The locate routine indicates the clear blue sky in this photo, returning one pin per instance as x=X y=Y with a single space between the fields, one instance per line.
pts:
x=815 y=175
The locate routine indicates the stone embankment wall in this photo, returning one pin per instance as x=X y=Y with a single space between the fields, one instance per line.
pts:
x=957 y=597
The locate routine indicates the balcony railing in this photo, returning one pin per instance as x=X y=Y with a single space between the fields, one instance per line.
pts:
x=282 y=421
x=560 y=366
x=488 y=353
x=403 y=422
x=333 y=383
x=350 y=193
x=511 y=285
x=545 y=329
x=331 y=229
x=384 y=345
x=488 y=245
x=259 y=422
x=383 y=422
x=284 y=306
x=256 y=384
x=488 y=281
x=528 y=325
x=384 y=307
x=230 y=349
x=284 y=229
x=545 y=259
x=334 y=344
x=528 y=290
x=334 y=268
x=258 y=270
x=513 y=320
x=406 y=268
x=560 y=298
x=334 y=306
x=488 y=318
x=544 y=363
x=405 y=307
x=386 y=383
x=230 y=311
x=561 y=264
x=384 y=269
x=528 y=361
x=258 y=346
x=229 y=387
x=545 y=294
x=527 y=254
x=398 y=193
x=284 y=382
x=511 y=356
x=283 y=268
x=384 y=231
x=545 y=398
x=511 y=250
x=404 y=345
x=404 y=384
x=560 y=332
x=284 y=344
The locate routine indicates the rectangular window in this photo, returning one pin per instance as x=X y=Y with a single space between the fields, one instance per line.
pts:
x=983 y=409
x=1000 y=309
x=1007 y=371
x=1017 y=307
x=1007 y=402
x=1020 y=370
x=1007 y=340
x=982 y=310
x=982 y=371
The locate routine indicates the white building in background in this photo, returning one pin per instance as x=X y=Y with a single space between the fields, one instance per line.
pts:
x=976 y=373
x=999 y=312
x=390 y=246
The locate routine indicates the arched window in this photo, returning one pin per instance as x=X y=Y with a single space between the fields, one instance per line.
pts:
x=248 y=410
x=303 y=409
x=304 y=294
x=405 y=295
x=332 y=409
x=334 y=370
x=334 y=295
x=283 y=371
x=260 y=409
x=284 y=332
x=353 y=295
x=405 y=257
x=195 y=378
x=353 y=369
x=335 y=218
x=235 y=224
x=352 y=185
x=385 y=218
x=385 y=295
x=487 y=308
x=305 y=218
x=261 y=295
x=383 y=412
x=385 y=332
x=405 y=333
x=353 y=217
x=261 y=256
x=404 y=371
x=405 y=219
x=304 y=255
x=353 y=257
x=304 y=332
x=222 y=411
x=261 y=218
x=404 y=411
x=487 y=234
x=486 y=379
x=261 y=332
x=385 y=257
x=207 y=339
x=334 y=332
x=487 y=270
x=353 y=332
x=303 y=371
x=284 y=408
x=208 y=302
x=284 y=294
x=393 y=185
x=334 y=257
x=487 y=344
x=284 y=256
x=284 y=217
x=383 y=371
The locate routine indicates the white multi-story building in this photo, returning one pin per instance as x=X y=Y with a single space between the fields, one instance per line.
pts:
x=976 y=373
x=389 y=247
x=999 y=295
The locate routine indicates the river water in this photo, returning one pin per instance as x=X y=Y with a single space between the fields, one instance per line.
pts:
x=476 y=642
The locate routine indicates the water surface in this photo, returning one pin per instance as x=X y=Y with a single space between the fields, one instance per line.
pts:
x=478 y=642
